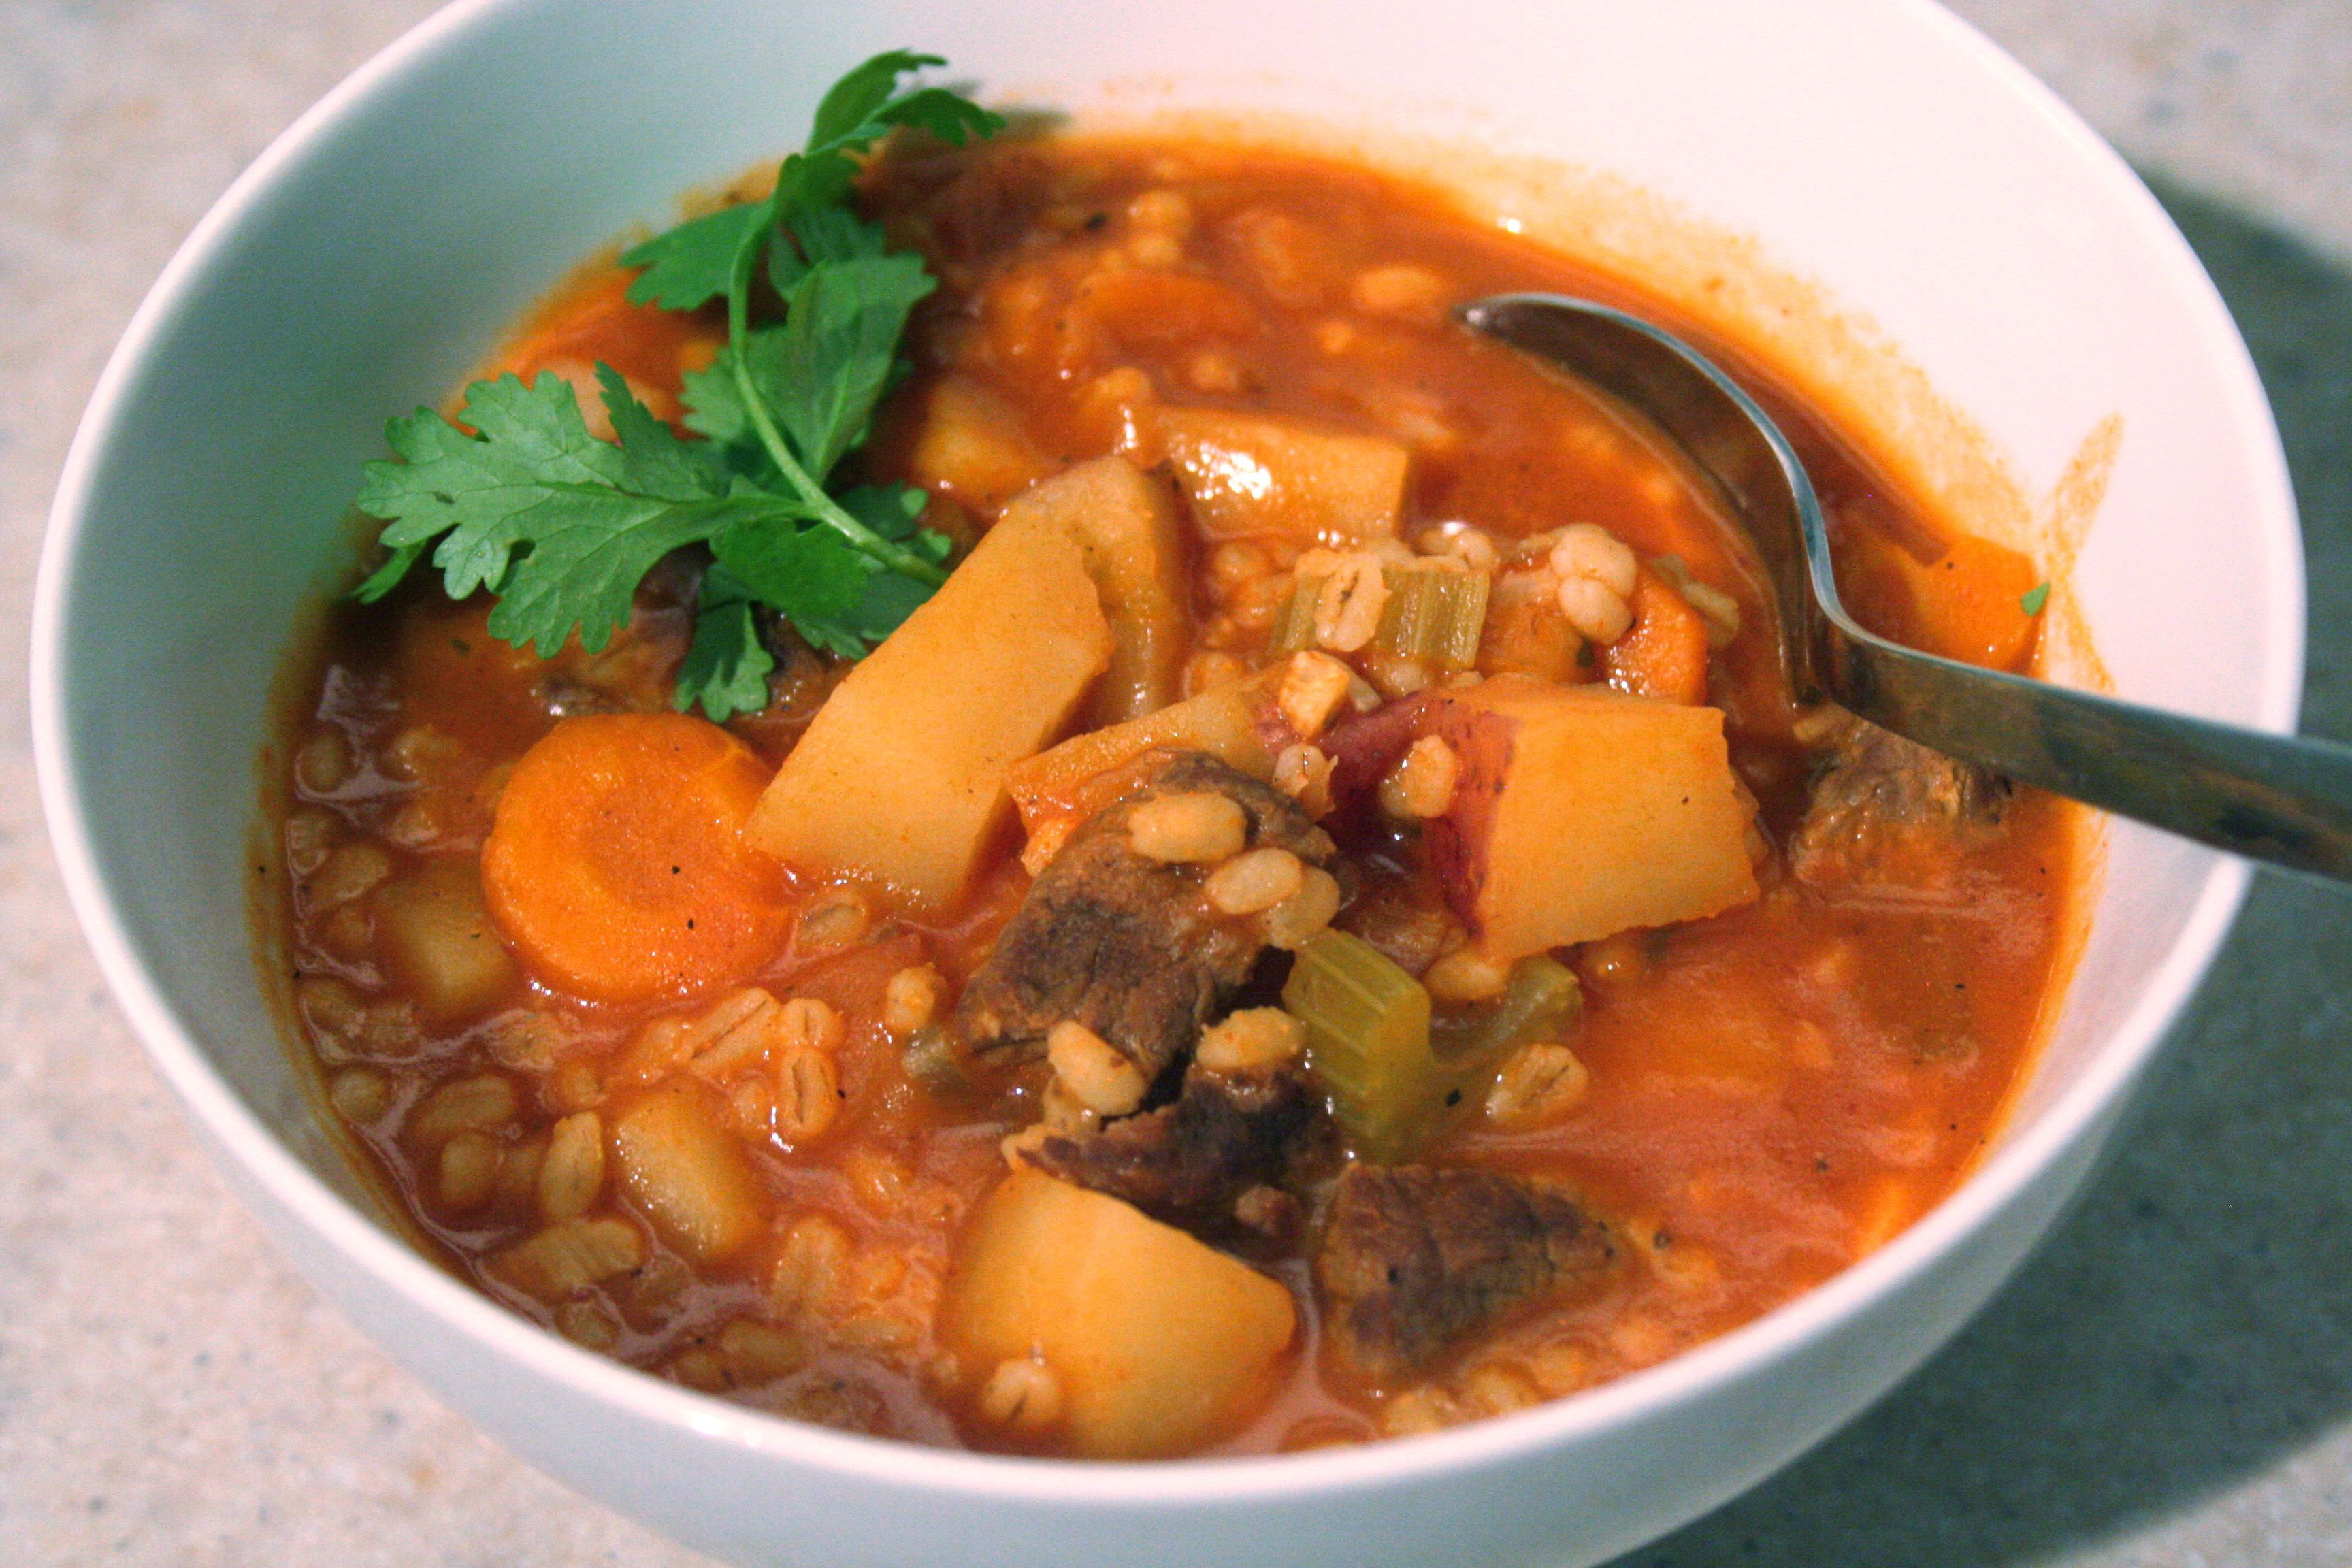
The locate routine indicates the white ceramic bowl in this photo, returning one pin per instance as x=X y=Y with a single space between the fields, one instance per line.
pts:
x=1876 y=147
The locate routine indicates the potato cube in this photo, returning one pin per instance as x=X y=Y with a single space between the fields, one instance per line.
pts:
x=899 y=780
x=1134 y=543
x=1581 y=811
x=1156 y=1341
x=436 y=938
x=1257 y=473
x=687 y=1175
x=971 y=444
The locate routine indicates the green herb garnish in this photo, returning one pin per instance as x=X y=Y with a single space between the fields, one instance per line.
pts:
x=561 y=527
x=2034 y=598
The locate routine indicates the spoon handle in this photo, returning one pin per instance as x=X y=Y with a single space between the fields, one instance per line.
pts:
x=2271 y=798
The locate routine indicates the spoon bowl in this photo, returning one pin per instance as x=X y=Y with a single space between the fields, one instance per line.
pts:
x=2281 y=801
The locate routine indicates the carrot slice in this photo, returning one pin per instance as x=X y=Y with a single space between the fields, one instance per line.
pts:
x=1664 y=653
x=1528 y=637
x=1970 y=603
x=591 y=320
x=616 y=866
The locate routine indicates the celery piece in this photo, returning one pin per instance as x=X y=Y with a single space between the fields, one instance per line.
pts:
x=1293 y=626
x=1366 y=1041
x=1434 y=615
x=932 y=1060
x=1542 y=1001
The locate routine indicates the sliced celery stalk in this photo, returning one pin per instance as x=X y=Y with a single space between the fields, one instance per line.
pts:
x=1541 y=1002
x=1294 y=627
x=1434 y=616
x=932 y=1060
x=1394 y=1078
x=1366 y=1041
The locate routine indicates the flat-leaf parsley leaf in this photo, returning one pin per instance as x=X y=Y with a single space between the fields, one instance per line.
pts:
x=518 y=498
x=561 y=526
x=726 y=664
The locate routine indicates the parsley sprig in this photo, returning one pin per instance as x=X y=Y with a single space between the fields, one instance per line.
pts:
x=519 y=498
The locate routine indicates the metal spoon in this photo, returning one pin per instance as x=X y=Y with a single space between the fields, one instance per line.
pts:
x=2286 y=802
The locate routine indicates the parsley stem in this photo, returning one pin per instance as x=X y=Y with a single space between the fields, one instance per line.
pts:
x=822 y=505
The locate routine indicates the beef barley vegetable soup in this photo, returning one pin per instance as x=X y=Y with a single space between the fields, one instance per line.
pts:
x=1004 y=794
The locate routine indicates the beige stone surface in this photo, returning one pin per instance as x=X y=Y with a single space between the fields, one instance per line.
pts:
x=2170 y=1383
x=170 y=1392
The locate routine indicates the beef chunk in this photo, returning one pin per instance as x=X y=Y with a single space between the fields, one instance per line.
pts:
x=1123 y=943
x=1191 y=1161
x=1413 y=1261
x=1887 y=813
x=993 y=198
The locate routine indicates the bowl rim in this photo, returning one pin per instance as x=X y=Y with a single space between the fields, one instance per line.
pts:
x=238 y=1133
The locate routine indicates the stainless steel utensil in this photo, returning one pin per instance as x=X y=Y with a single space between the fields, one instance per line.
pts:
x=2286 y=802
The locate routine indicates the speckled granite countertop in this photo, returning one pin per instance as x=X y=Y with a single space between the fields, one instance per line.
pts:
x=2169 y=1382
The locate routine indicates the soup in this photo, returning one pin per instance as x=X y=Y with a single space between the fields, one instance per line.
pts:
x=1325 y=924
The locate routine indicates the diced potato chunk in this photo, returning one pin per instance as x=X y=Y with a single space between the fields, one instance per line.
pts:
x=971 y=444
x=1257 y=473
x=1134 y=544
x=1156 y=1341
x=901 y=778
x=437 y=940
x=687 y=1175
x=1581 y=811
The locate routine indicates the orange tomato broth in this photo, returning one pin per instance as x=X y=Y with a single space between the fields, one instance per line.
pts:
x=1775 y=1091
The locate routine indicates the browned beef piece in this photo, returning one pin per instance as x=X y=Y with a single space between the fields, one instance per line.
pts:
x=1887 y=813
x=990 y=199
x=1125 y=944
x=1413 y=1261
x=635 y=672
x=1191 y=1161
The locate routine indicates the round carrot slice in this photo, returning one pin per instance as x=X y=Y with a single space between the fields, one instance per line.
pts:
x=616 y=866
x=1664 y=655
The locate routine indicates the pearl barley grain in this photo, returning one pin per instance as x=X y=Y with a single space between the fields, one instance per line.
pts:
x=1096 y=1076
x=1313 y=687
x=1348 y=610
x=912 y=999
x=1300 y=918
x=1422 y=785
x=1252 y=881
x=1586 y=550
x=1254 y=1039
x=1022 y=1396
x=1598 y=615
x=1196 y=827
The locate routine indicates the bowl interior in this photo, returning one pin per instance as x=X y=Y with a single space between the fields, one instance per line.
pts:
x=1977 y=234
